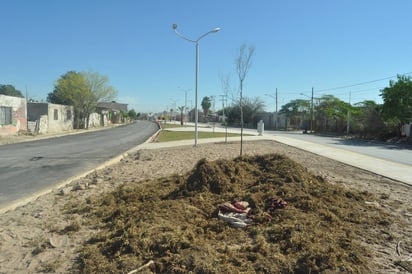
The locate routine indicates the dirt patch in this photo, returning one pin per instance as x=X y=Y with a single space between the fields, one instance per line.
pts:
x=158 y=208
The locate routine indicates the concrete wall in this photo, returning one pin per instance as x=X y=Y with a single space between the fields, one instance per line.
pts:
x=273 y=120
x=43 y=124
x=60 y=118
x=95 y=120
x=51 y=118
x=35 y=110
x=18 y=115
x=407 y=130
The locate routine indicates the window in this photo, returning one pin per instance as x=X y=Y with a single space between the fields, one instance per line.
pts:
x=5 y=116
x=69 y=114
x=56 y=114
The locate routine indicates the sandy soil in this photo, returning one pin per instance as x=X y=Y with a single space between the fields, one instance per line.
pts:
x=42 y=237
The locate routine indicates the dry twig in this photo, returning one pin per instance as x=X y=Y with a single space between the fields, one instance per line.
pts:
x=149 y=263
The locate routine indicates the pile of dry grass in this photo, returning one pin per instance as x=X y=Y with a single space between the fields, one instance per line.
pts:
x=172 y=221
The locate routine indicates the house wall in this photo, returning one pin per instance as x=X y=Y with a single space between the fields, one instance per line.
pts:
x=43 y=124
x=18 y=115
x=60 y=118
x=95 y=120
x=407 y=130
x=51 y=118
x=273 y=120
x=36 y=110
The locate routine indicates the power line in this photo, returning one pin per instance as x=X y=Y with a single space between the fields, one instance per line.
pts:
x=359 y=91
x=363 y=83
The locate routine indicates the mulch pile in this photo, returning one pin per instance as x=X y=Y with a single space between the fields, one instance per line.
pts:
x=301 y=223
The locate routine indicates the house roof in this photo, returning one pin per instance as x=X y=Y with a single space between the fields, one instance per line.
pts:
x=112 y=106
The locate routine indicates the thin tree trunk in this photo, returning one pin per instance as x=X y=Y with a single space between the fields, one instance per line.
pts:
x=241 y=119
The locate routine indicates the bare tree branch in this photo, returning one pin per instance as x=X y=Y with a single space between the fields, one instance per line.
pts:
x=243 y=64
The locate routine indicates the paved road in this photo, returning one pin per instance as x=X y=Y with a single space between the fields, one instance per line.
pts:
x=31 y=167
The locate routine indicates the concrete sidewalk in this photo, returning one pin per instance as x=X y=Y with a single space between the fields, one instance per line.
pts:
x=395 y=171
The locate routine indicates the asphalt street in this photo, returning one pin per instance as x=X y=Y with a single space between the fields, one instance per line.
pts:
x=34 y=167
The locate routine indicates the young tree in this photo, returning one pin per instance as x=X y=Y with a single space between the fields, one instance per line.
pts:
x=397 y=101
x=243 y=64
x=226 y=87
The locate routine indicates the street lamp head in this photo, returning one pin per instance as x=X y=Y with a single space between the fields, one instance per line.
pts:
x=174 y=26
x=215 y=29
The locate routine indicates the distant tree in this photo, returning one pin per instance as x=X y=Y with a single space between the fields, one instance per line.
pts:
x=331 y=113
x=182 y=109
x=206 y=104
x=397 y=102
x=367 y=119
x=243 y=63
x=251 y=107
x=10 y=90
x=296 y=111
x=132 y=114
x=82 y=90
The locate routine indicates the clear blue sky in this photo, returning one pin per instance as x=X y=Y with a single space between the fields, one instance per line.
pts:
x=298 y=45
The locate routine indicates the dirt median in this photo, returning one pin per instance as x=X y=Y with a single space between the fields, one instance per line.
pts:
x=44 y=236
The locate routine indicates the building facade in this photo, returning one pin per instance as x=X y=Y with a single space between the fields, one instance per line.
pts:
x=111 y=112
x=50 y=118
x=13 y=115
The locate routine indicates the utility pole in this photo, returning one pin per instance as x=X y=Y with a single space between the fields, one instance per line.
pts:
x=276 y=110
x=348 y=122
x=27 y=113
x=212 y=99
x=311 y=113
x=223 y=99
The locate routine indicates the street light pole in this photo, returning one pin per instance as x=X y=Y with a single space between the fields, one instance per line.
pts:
x=174 y=26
